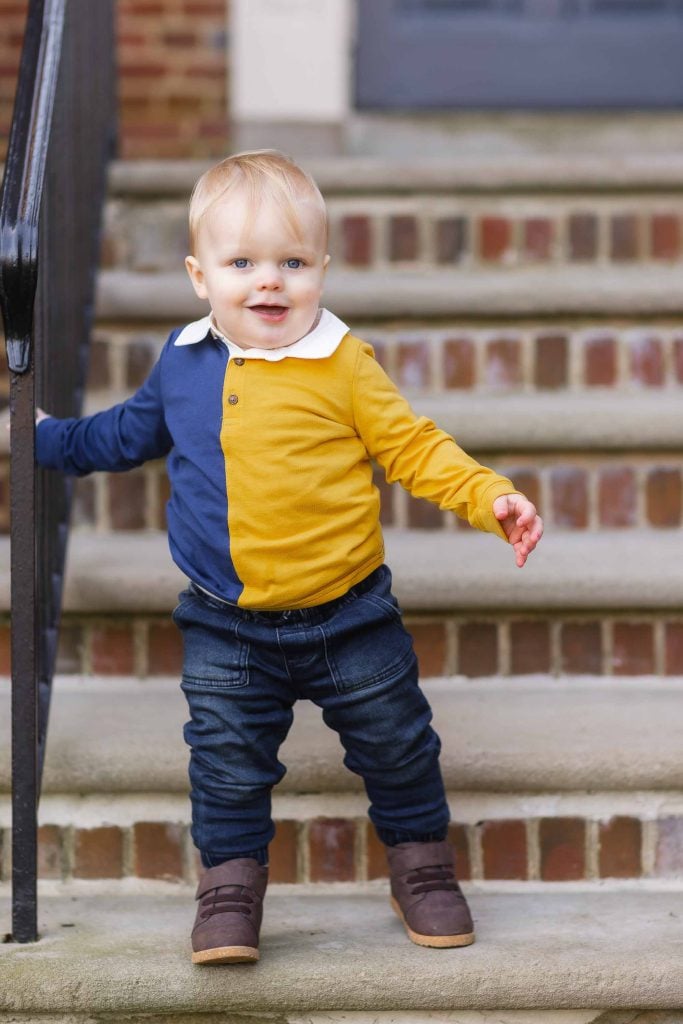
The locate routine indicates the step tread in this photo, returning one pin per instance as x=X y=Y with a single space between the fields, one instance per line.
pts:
x=426 y=293
x=344 y=949
x=574 y=421
x=464 y=172
x=434 y=571
x=526 y=734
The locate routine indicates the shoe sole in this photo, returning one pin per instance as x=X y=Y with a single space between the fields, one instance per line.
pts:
x=226 y=955
x=436 y=941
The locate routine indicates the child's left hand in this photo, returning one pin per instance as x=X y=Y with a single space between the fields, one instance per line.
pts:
x=521 y=522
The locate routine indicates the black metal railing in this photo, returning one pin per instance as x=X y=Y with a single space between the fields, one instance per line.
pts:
x=52 y=194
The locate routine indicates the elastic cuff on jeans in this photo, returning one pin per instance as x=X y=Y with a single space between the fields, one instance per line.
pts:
x=393 y=838
x=210 y=860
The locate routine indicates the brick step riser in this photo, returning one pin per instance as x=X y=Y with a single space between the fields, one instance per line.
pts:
x=426 y=231
x=459 y=356
x=550 y=356
x=547 y=1016
x=629 y=643
x=342 y=846
x=574 y=491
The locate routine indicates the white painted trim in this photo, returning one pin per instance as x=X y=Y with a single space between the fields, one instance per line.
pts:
x=291 y=60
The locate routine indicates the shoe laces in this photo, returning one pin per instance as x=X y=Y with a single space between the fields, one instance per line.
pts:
x=432 y=878
x=236 y=900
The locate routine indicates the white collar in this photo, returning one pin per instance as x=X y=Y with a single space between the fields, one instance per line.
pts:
x=319 y=343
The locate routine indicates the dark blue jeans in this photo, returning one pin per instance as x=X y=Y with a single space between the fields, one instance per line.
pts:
x=243 y=672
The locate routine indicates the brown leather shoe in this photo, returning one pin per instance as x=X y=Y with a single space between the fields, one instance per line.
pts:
x=426 y=895
x=228 y=921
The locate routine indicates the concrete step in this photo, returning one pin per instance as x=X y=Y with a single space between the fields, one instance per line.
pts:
x=127 y=573
x=563 y=422
x=418 y=294
x=339 y=954
x=546 y=780
x=466 y=173
x=531 y=735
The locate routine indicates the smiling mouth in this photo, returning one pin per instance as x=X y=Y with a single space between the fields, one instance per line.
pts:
x=270 y=312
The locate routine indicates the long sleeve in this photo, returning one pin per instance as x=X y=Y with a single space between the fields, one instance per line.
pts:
x=117 y=439
x=416 y=453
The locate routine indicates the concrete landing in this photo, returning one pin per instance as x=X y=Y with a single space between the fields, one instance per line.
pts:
x=341 y=948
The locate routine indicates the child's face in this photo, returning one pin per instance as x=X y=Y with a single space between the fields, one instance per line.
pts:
x=264 y=286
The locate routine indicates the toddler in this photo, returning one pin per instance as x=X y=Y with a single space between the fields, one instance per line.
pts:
x=270 y=412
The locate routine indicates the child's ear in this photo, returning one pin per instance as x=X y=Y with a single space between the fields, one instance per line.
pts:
x=196 y=276
x=326 y=262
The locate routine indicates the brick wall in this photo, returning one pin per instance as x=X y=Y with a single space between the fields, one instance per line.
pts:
x=172 y=58
x=331 y=849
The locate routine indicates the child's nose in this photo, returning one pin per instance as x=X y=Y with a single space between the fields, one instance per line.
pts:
x=270 y=278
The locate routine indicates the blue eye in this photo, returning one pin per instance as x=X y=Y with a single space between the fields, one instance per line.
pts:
x=241 y=264
x=294 y=264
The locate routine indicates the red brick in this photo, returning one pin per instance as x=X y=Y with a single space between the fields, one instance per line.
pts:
x=70 y=650
x=503 y=363
x=647 y=362
x=478 y=649
x=527 y=482
x=5 y=649
x=139 y=362
x=538 y=238
x=665 y=236
x=673 y=648
x=127 y=499
x=84 y=504
x=495 y=238
x=617 y=497
x=633 y=646
x=429 y=639
x=376 y=854
x=669 y=852
x=504 y=849
x=98 y=852
x=552 y=353
x=678 y=359
x=529 y=647
x=451 y=239
x=600 y=362
x=49 y=851
x=663 y=497
x=424 y=515
x=111 y=650
x=457 y=835
x=356 y=236
x=165 y=650
x=386 y=496
x=283 y=853
x=158 y=850
x=403 y=238
x=581 y=648
x=458 y=363
x=562 y=843
x=332 y=850
x=99 y=376
x=583 y=236
x=569 y=496
x=624 y=237
x=620 y=846
x=414 y=366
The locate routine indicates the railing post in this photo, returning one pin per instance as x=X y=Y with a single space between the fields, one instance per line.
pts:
x=24 y=664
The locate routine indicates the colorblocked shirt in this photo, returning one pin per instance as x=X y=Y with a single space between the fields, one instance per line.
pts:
x=270 y=457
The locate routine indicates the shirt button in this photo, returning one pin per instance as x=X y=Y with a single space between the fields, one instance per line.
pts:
x=233 y=399
x=239 y=362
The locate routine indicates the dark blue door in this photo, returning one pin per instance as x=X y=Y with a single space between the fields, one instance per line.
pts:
x=532 y=54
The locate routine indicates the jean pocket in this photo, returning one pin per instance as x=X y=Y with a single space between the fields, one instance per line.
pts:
x=374 y=648
x=215 y=657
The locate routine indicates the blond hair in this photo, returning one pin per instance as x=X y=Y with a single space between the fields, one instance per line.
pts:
x=259 y=174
